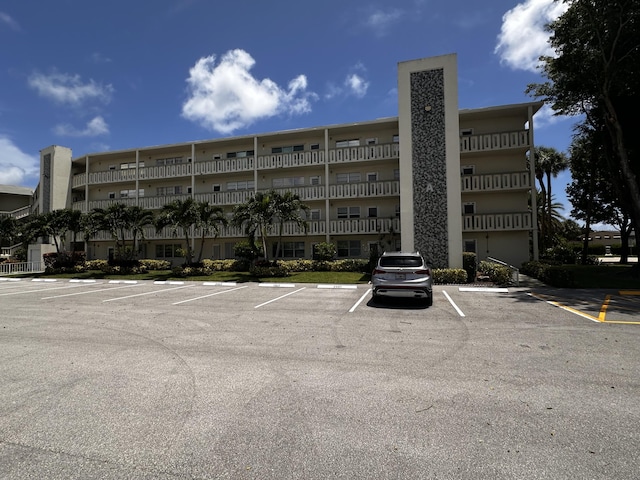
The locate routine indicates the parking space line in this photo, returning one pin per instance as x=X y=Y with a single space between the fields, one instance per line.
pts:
x=210 y=295
x=280 y=297
x=88 y=291
x=146 y=293
x=353 y=309
x=568 y=309
x=453 y=304
x=40 y=290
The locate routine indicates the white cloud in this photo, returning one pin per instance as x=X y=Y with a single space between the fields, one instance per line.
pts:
x=381 y=21
x=69 y=89
x=356 y=85
x=226 y=97
x=16 y=167
x=94 y=128
x=523 y=38
x=9 y=21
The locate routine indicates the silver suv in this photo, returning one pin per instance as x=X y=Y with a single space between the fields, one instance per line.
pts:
x=402 y=274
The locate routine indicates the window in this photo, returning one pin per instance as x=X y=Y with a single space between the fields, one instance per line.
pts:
x=314 y=214
x=167 y=250
x=287 y=182
x=288 y=149
x=350 y=177
x=112 y=194
x=216 y=187
x=349 y=248
x=348 y=143
x=125 y=166
x=243 y=185
x=291 y=249
x=372 y=212
x=469 y=208
x=371 y=141
x=372 y=177
x=217 y=156
x=112 y=167
x=169 y=161
x=240 y=154
x=465 y=132
x=396 y=174
x=396 y=138
x=348 y=212
x=315 y=180
x=189 y=190
x=468 y=169
x=130 y=193
x=162 y=191
x=470 y=246
x=315 y=146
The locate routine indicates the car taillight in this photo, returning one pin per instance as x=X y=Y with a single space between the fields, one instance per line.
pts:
x=423 y=272
x=377 y=271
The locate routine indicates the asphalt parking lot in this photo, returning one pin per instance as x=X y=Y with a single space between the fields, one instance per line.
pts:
x=174 y=380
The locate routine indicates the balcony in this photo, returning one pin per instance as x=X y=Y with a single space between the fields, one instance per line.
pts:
x=497 y=222
x=289 y=160
x=494 y=141
x=364 y=225
x=364 y=190
x=369 y=152
x=18 y=212
x=496 y=182
x=228 y=165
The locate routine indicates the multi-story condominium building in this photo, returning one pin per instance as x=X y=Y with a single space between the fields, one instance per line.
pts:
x=433 y=179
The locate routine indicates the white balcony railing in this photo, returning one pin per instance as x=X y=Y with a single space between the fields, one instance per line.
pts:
x=496 y=181
x=364 y=225
x=496 y=222
x=18 y=212
x=368 y=152
x=364 y=189
x=293 y=159
x=494 y=141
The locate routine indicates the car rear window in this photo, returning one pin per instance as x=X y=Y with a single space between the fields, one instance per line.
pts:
x=400 y=261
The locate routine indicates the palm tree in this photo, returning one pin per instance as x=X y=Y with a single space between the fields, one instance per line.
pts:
x=256 y=216
x=288 y=208
x=549 y=162
x=138 y=218
x=56 y=224
x=179 y=215
x=120 y=220
x=209 y=220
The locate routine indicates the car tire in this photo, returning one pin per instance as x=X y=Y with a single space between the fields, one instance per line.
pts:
x=429 y=300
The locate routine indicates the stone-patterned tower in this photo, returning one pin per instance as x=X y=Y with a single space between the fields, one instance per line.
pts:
x=430 y=206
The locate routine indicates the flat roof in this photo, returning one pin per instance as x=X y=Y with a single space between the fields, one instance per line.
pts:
x=16 y=190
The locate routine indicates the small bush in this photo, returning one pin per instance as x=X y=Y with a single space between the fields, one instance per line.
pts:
x=324 y=251
x=498 y=274
x=443 y=276
x=268 y=271
x=224 y=265
x=559 y=277
x=350 y=265
x=151 y=264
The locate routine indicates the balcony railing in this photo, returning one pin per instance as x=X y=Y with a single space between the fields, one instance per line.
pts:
x=293 y=159
x=364 y=189
x=496 y=181
x=368 y=152
x=18 y=212
x=494 y=141
x=496 y=222
x=22 y=267
x=227 y=165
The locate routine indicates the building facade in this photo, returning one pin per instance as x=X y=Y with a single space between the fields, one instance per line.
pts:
x=434 y=179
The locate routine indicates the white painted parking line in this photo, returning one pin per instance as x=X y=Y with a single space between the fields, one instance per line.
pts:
x=44 y=280
x=280 y=297
x=210 y=295
x=483 y=289
x=146 y=293
x=277 y=285
x=359 y=301
x=123 y=281
x=168 y=282
x=339 y=286
x=39 y=290
x=4 y=279
x=78 y=280
x=453 y=304
x=88 y=291
x=222 y=284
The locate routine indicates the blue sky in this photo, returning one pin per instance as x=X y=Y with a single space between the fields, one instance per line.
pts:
x=117 y=75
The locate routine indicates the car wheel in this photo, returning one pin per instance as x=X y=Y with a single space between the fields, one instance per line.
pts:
x=429 y=300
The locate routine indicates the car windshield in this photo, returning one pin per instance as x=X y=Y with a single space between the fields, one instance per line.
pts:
x=400 y=261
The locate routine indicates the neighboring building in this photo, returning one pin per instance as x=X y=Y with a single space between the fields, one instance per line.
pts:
x=433 y=179
x=610 y=239
x=14 y=202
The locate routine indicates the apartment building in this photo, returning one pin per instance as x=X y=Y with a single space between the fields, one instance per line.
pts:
x=435 y=178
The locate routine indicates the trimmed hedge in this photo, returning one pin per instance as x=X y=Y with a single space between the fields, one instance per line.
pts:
x=442 y=276
x=498 y=274
x=554 y=275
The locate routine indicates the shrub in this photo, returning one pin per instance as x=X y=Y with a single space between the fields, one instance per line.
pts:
x=350 y=265
x=62 y=261
x=224 y=265
x=150 y=264
x=470 y=265
x=268 y=270
x=324 y=251
x=557 y=276
x=245 y=251
x=498 y=274
x=449 y=275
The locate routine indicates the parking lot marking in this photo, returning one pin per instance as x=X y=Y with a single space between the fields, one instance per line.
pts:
x=146 y=293
x=78 y=280
x=352 y=309
x=123 y=281
x=88 y=291
x=483 y=289
x=39 y=290
x=453 y=304
x=224 y=284
x=210 y=295
x=4 y=279
x=277 y=285
x=568 y=309
x=280 y=297
x=352 y=287
x=44 y=280
x=603 y=308
x=168 y=282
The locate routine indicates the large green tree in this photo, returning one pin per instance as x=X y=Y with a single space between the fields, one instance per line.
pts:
x=256 y=216
x=122 y=221
x=289 y=209
x=209 y=220
x=549 y=162
x=596 y=72
x=180 y=216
